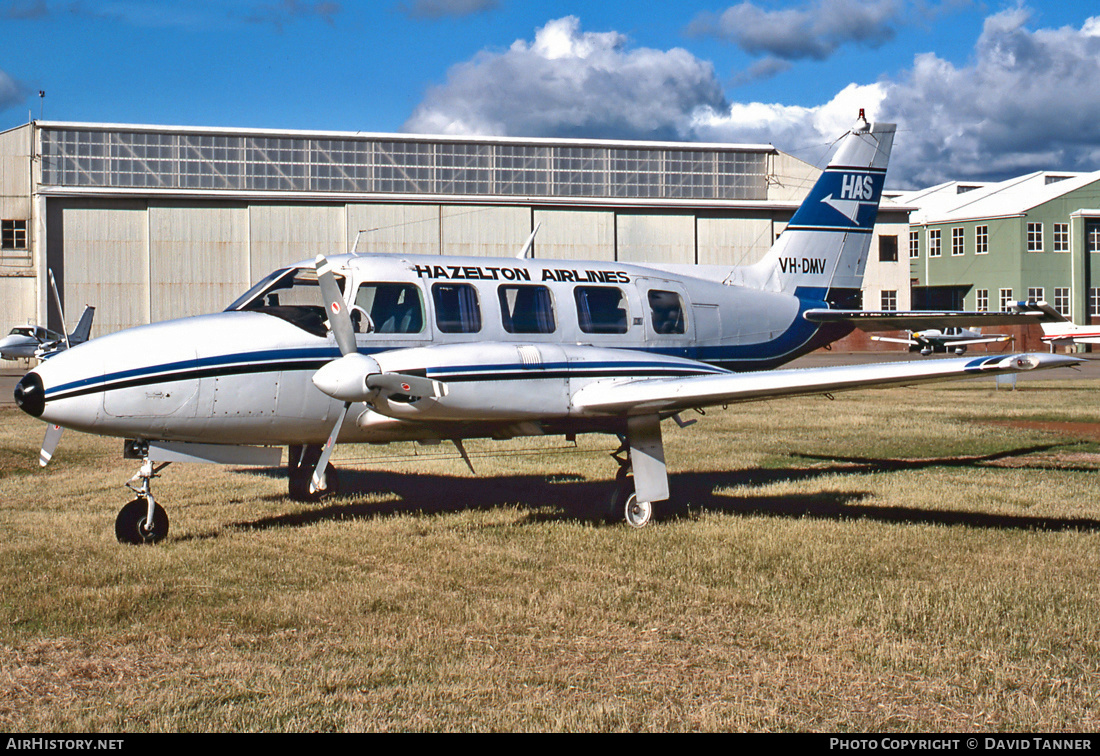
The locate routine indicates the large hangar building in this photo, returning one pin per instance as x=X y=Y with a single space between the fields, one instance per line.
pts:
x=149 y=223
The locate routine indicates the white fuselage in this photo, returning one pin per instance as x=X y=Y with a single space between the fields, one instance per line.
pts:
x=245 y=376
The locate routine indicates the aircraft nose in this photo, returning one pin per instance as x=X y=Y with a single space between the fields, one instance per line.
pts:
x=30 y=394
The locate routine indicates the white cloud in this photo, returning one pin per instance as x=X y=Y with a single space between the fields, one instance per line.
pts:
x=571 y=83
x=1027 y=100
x=814 y=30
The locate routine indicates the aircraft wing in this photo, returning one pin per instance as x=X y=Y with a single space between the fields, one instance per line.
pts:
x=984 y=340
x=1024 y=313
x=670 y=395
x=910 y=342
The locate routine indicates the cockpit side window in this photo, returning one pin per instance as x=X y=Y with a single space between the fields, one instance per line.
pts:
x=388 y=308
x=291 y=294
x=526 y=309
x=601 y=309
x=667 y=312
x=456 y=308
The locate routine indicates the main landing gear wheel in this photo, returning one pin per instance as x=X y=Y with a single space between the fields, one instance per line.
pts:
x=301 y=462
x=133 y=526
x=625 y=504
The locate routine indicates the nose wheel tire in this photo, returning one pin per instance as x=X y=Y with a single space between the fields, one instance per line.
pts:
x=132 y=525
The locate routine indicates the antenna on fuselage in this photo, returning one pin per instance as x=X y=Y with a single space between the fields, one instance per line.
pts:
x=355 y=244
x=529 y=244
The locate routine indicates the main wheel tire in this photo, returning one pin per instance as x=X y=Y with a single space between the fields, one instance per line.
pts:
x=132 y=527
x=624 y=504
x=637 y=513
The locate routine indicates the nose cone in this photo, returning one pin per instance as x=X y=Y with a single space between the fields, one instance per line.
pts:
x=30 y=396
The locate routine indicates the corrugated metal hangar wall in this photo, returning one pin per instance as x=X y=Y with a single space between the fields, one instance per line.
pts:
x=153 y=223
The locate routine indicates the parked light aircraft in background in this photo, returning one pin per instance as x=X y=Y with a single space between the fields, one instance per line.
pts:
x=1060 y=331
x=953 y=339
x=376 y=348
x=24 y=342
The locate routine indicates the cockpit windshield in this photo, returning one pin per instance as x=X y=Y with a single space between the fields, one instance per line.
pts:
x=292 y=294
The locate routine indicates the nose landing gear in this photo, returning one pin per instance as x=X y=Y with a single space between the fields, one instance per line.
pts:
x=143 y=520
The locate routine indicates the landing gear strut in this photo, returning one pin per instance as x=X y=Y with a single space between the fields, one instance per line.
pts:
x=301 y=461
x=641 y=468
x=143 y=520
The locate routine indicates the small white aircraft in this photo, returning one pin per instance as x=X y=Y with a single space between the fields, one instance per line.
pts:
x=377 y=348
x=953 y=339
x=24 y=342
x=1060 y=331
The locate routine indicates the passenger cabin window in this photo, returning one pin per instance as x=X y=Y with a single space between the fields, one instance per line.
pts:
x=457 y=309
x=388 y=308
x=601 y=309
x=667 y=312
x=526 y=309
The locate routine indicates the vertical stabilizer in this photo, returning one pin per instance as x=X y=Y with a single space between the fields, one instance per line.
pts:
x=83 y=328
x=826 y=243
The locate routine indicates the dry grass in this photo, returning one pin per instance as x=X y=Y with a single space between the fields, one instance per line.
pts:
x=897 y=560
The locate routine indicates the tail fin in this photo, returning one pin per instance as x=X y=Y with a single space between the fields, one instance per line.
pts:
x=83 y=328
x=825 y=245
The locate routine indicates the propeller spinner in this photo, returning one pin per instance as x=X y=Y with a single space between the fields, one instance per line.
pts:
x=354 y=377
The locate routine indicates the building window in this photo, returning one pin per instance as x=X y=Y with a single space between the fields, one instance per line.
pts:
x=1061 y=300
x=1061 y=237
x=13 y=234
x=1092 y=237
x=1034 y=237
x=888 y=249
x=982 y=300
x=914 y=244
x=1035 y=294
x=933 y=242
x=981 y=240
x=1006 y=300
x=889 y=300
x=1094 y=301
x=957 y=241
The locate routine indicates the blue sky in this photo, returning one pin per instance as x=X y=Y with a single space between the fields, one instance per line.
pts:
x=980 y=90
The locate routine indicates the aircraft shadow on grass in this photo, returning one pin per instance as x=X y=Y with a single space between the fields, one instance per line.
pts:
x=560 y=497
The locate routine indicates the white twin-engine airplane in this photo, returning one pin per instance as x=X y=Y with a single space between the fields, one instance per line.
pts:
x=380 y=348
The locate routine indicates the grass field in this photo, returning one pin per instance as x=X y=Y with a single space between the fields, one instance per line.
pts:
x=898 y=560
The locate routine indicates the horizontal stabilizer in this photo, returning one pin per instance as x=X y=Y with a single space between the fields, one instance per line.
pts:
x=916 y=320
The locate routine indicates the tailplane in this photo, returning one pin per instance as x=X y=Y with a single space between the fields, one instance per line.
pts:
x=824 y=247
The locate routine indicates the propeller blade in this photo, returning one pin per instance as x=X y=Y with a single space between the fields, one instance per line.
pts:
x=317 y=482
x=60 y=311
x=338 y=317
x=411 y=385
x=49 y=443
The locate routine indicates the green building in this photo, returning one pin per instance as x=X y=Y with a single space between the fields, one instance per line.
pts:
x=984 y=246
